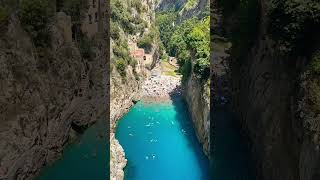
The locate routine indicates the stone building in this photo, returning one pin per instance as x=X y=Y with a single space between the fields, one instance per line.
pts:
x=144 y=60
x=139 y=55
x=95 y=20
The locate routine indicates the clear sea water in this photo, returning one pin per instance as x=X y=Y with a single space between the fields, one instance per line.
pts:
x=86 y=159
x=160 y=143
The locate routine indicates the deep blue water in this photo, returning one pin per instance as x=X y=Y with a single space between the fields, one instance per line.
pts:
x=160 y=143
x=83 y=160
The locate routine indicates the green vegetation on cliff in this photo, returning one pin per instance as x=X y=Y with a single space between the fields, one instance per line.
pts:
x=165 y=22
x=315 y=63
x=34 y=16
x=244 y=27
x=4 y=16
x=122 y=24
x=130 y=19
x=189 y=42
x=294 y=24
x=77 y=9
x=37 y=15
x=189 y=5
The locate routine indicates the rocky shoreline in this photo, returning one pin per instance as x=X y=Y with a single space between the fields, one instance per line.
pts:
x=118 y=160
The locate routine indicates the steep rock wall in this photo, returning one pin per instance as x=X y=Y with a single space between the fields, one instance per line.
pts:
x=166 y=5
x=122 y=96
x=195 y=11
x=271 y=100
x=198 y=100
x=45 y=96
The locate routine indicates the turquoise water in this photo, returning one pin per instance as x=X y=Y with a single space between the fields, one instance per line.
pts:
x=83 y=160
x=160 y=143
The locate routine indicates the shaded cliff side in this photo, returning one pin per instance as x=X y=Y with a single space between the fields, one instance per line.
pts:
x=47 y=95
x=275 y=83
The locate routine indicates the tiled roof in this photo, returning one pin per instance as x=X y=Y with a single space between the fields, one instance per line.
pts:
x=139 y=53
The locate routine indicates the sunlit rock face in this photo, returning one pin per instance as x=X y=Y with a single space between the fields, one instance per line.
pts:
x=124 y=92
x=166 y=5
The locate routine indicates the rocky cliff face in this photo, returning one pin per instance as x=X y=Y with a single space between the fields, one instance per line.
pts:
x=124 y=91
x=184 y=12
x=45 y=96
x=273 y=94
x=166 y=5
x=197 y=97
x=195 y=11
x=122 y=96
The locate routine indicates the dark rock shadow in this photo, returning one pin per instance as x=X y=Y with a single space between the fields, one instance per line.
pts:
x=230 y=155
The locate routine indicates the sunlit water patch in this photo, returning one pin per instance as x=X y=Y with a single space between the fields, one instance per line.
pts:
x=160 y=143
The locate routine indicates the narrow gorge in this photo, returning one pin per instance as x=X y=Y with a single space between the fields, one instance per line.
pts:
x=146 y=77
x=160 y=89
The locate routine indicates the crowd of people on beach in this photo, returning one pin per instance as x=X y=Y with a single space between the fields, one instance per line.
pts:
x=161 y=86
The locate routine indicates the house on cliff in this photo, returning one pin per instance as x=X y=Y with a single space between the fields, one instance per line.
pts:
x=95 y=19
x=144 y=60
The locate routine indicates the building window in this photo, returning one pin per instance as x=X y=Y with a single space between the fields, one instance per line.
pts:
x=90 y=19
x=144 y=58
x=96 y=17
x=93 y=3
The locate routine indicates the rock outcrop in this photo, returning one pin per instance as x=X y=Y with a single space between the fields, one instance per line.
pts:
x=167 y=5
x=274 y=97
x=197 y=96
x=121 y=99
x=44 y=95
x=196 y=11
x=184 y=13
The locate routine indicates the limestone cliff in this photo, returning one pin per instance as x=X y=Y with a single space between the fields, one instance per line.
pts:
x=274 y=93
x=193 y=10
x=45 y=96
x=122 y=97
x=125 y=88
x=187 y=8
x=197 y=96
x=167 y=5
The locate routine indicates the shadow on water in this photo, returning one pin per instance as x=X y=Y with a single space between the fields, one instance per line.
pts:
x=86 y=158
x=230 y=155
x=186 y=124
